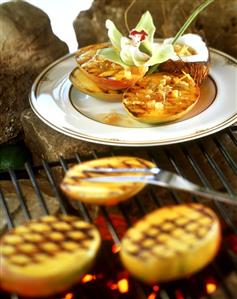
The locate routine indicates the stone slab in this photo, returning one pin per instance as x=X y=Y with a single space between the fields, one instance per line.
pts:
x=27 y=46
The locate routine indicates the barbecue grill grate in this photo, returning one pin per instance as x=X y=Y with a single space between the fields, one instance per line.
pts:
x=211 y=162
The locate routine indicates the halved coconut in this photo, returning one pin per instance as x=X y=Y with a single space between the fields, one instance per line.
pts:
x=192 y=57
x=161 y=97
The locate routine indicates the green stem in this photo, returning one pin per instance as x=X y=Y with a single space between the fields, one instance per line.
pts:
x=181 y=31
x=191 y=18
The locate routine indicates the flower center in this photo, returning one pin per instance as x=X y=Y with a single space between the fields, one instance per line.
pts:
x=137 y=36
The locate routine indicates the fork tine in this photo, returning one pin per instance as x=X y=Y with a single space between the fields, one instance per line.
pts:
x=153 y=170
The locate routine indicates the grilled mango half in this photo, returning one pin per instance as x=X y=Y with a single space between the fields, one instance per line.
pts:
x=102 y=193
x=171 y=243
x=47 y=256
x=84 y=84
x=105 y=74
x=161 y=97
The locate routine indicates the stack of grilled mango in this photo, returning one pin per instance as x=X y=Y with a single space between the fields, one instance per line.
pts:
x=165 y=96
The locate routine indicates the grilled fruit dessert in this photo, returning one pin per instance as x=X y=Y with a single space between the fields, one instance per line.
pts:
x=47 y=256
x=171 y=243
x=102 y=193
x=82 y=83
x=161 y=97
x=191 y=56
x=106 y=74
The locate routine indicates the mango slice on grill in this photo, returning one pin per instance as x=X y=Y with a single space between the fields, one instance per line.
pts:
x=47 y=256
x=161 y=97
x=171 y=243
x=76 y=187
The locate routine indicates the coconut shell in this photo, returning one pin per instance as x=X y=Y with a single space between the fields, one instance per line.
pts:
x=197 y=70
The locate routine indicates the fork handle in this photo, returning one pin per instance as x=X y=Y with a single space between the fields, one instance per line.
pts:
x=180 y=183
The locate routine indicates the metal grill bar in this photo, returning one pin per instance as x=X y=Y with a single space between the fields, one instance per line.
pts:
x=19 y=194
x=177 y=169
x=63 y=203
x=125 y=215
x=217 y=170
x=232 y=136
x=10 y=223
x=156 y=199
x=36 y=187
x=171 y=192
x=206 y=183
x=227 y=155
x=110 y=225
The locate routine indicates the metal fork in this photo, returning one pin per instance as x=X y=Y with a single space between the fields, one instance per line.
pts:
x=158 y=177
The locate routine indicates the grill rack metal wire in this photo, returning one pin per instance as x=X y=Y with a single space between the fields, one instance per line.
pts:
x=172 y=156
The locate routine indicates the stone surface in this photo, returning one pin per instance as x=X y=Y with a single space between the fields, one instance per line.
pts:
x=27 y=46
x=217 y=23
x=46 y=143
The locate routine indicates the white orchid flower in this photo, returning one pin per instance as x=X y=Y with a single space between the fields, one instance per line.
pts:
x=139 y=49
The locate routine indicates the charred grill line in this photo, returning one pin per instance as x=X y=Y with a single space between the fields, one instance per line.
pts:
x=160 y=229
x=46 y=237
x=82 y=207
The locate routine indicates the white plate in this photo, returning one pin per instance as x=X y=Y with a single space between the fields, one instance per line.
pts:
x=57 y=103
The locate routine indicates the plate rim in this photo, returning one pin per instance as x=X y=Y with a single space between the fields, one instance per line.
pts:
x=125 y=143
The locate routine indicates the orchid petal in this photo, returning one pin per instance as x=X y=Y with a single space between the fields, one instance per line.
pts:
x=114 y=34
x=146 y=23
x=112 y=55
x=125 y=42
x=133 y=56
x=161 y=53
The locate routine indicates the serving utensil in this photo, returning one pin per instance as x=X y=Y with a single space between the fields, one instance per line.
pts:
x=158 y=177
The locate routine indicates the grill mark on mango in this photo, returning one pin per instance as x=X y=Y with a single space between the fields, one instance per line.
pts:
x=46 y=245
x=138 y=247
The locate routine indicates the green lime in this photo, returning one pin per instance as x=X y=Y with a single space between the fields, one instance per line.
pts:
x=13 y=156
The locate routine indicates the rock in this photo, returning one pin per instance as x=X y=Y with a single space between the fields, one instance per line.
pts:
x=168 y=17
x=27 y=46
x=46 y=143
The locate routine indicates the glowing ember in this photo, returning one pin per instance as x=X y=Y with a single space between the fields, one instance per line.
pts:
x=152 y=296
x=211 y=286
x=123 y=285
x=113 y=286
x=88 y=277
x=156 y=288
x=115 y=248
x=179 y=294
x=118 y=222
x=68 y=296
